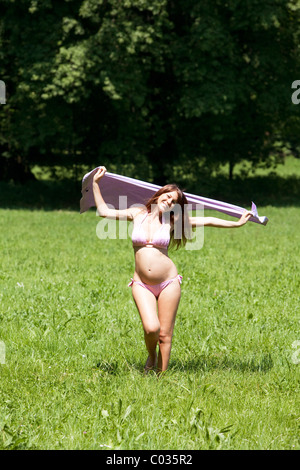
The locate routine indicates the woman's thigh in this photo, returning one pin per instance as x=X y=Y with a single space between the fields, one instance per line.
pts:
x=146 y=305
x=168 y=302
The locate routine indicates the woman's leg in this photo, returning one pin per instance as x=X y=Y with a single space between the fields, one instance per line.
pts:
x=168 y=302
x=146 y=305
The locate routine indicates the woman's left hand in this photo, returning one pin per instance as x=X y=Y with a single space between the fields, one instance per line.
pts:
x=99 y=174
x=245 y=217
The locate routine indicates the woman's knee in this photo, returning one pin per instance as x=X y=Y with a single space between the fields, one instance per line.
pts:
x=152 y=329
x=165 y=337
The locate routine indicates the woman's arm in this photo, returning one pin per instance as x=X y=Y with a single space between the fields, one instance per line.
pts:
x=103 y=210
x=220 y=223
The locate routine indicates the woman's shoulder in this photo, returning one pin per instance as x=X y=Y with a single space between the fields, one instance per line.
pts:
x=138 y=211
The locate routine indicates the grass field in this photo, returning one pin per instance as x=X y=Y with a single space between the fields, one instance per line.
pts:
x=72 y=368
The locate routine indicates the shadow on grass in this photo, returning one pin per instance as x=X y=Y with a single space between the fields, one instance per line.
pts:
x=263 y=364
x=111 y=368
x=65 y=194
x=37 y=195
x=272 y=190
x=117 y=368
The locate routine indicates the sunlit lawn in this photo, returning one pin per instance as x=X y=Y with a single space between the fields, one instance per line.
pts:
x=74 y=349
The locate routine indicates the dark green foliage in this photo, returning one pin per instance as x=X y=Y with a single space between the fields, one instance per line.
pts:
x=148 y=83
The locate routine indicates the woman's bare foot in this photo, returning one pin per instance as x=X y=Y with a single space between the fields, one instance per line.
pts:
x=151 y=363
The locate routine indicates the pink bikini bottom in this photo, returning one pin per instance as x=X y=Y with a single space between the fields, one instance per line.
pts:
x=156 y=288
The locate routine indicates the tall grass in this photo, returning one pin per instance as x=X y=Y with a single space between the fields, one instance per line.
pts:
x=74 y=349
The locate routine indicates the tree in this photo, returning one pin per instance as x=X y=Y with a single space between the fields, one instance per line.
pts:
x=148 y=83
x=234 y=62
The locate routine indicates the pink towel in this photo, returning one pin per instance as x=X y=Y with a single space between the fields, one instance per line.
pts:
x=137 y=192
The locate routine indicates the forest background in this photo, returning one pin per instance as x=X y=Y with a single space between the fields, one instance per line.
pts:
x=194 y=92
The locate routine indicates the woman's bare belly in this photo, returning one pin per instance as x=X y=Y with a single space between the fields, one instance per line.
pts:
x=152 y=265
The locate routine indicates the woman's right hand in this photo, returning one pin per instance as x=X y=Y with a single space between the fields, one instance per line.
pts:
x=100 y=173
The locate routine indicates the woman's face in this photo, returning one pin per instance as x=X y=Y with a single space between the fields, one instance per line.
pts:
x=166 y=201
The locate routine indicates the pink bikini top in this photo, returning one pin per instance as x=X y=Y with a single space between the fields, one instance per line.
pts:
x=161 y=238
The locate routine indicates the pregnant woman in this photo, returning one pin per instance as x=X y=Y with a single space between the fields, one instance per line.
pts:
x=156 y=282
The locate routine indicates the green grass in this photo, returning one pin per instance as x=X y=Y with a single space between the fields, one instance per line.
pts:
x=72 y=377
x=290 y=166
x=60 y=188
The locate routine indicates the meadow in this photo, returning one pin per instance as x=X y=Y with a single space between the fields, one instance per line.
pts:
x=72 y=368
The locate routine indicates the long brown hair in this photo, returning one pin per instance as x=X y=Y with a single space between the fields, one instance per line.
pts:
x=179 y=222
